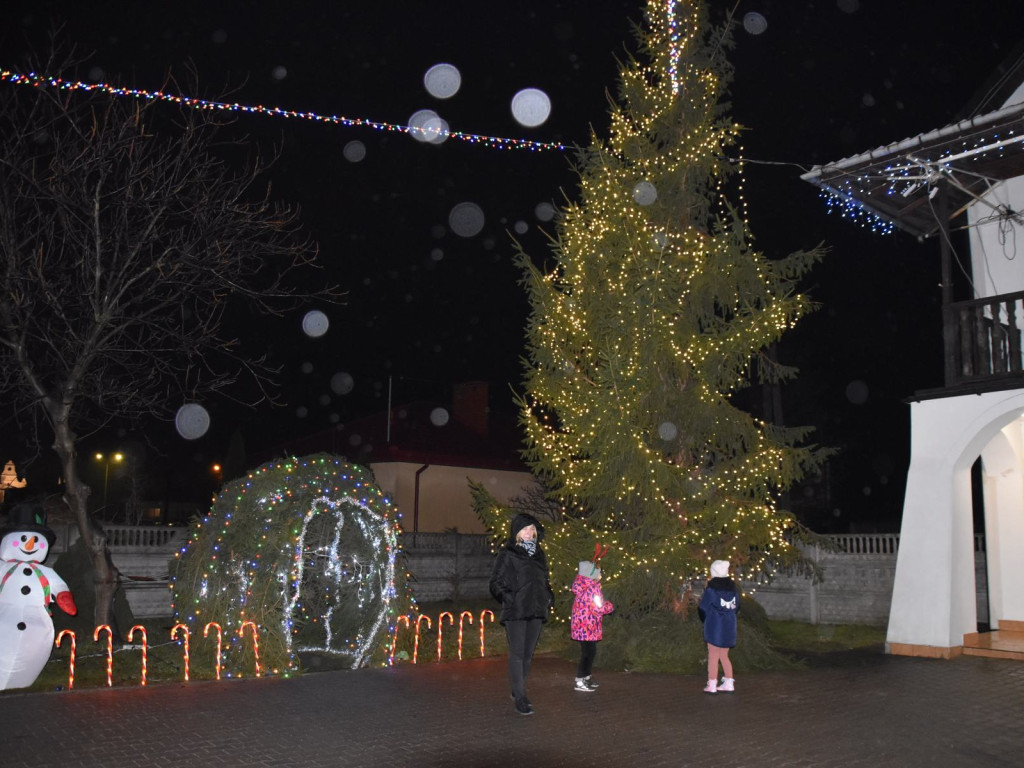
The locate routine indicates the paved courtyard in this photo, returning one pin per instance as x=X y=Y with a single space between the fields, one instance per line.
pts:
x=864 y=710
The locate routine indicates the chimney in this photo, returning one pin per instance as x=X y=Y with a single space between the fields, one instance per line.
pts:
x=469 y=406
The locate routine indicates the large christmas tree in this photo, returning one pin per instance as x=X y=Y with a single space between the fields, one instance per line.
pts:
x=653 y=314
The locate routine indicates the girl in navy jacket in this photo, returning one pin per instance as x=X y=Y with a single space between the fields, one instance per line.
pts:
x=718 y=608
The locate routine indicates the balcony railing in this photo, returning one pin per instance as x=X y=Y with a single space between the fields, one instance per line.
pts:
x=983 y=341
x=127 y=538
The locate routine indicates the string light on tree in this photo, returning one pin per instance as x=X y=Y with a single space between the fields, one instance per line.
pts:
x=313 y=544
x=654 y=312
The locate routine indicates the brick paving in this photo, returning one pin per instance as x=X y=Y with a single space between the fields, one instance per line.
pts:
x=864 y=710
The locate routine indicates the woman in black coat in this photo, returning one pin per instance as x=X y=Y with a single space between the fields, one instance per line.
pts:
x=519 y=582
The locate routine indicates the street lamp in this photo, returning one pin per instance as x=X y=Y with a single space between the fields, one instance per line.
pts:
x=116 y=458
x=218 y=475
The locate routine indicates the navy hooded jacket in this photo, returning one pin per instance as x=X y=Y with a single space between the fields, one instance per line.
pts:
x=717 y=609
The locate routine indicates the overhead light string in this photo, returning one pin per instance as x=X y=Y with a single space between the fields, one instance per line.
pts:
x=493 y=142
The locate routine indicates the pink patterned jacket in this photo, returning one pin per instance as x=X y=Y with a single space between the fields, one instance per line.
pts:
x=588 y=609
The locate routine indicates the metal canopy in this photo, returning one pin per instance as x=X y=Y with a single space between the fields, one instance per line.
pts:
x=894 y=185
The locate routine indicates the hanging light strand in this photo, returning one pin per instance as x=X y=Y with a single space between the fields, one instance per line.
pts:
x=493 y=142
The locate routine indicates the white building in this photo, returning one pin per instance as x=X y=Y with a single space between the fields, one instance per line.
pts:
x=423 y=456
x=967 y=173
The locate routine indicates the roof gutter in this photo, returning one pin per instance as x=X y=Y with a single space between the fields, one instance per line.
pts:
x=1014 y=110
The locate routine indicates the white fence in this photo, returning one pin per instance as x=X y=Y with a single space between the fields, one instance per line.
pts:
x=143 y=555
x=859 y=570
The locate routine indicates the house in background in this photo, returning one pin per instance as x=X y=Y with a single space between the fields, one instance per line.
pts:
x=423 y=455
x=968 y=173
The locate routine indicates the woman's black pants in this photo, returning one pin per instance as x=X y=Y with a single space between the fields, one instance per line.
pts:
x=522 y=635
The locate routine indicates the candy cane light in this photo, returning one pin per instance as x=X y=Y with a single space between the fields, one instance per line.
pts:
x=394 y=638
x=416 y=643
x=145 y=647
x=463 y=615
x=440 y=626
x=206 y=632
x=255 y=641
x=110 y=650
x=71 y=665
x=484 y=612
x=185 y=634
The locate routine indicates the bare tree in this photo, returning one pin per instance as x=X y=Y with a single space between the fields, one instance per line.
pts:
x=127 y=232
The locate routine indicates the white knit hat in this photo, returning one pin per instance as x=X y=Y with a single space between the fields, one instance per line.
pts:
x=589 y=570
x=719 y=569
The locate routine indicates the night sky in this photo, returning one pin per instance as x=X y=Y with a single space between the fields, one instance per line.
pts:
x=427 y=308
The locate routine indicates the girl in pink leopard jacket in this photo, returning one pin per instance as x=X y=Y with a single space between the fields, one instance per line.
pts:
x=588 y=609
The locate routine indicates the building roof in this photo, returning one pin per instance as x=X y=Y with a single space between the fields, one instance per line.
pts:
x=420 y=432
x=895 y=185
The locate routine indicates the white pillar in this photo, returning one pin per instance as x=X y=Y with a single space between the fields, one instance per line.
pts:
x=933 y=600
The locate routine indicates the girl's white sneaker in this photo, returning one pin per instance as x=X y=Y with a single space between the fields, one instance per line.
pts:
x=711 y=687
x=727 y=685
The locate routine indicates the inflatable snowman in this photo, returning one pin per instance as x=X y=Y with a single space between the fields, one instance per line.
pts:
x=27 y=587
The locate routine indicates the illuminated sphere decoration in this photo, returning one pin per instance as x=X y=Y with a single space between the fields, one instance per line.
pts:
x=306 y=549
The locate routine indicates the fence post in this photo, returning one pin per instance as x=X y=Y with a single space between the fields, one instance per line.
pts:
x=813 y=590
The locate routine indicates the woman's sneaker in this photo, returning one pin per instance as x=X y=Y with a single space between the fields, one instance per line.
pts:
x=581 y=685
x=590 y=682
x=513 y=697
x=711 y=687
x=523 y=707
x=728 y=685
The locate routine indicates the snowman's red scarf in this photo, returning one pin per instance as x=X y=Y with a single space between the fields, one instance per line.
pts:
x=45 y=582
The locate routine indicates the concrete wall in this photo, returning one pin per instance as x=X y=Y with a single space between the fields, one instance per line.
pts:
x=448 y=566
x=857 y=586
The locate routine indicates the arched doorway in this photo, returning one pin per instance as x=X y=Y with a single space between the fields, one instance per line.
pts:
x=934 y=593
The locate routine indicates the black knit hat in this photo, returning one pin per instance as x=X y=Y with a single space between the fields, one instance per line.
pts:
x=28 y=516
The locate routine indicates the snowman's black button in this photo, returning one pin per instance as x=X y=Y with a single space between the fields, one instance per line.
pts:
x=27 y=571
x=21 y=625
x=25 y=590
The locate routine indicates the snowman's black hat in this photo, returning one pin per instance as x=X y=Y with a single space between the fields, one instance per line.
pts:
x=28 y=516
